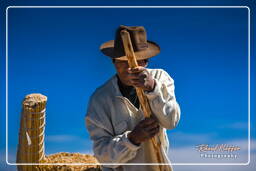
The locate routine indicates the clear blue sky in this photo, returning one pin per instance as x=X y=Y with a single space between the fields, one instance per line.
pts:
x=56 y=52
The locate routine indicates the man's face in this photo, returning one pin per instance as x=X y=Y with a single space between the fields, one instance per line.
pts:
x=122 y=69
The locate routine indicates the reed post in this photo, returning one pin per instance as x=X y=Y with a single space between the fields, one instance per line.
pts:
x=31 y=134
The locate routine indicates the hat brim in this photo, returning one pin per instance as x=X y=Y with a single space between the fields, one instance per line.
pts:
x=107 y=49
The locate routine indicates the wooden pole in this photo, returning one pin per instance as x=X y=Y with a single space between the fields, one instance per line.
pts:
x=142 y=97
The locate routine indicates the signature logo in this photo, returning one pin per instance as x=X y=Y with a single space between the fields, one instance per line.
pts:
x=217 y=151
x=217 y=147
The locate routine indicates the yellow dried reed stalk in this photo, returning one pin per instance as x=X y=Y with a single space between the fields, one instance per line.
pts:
x=31 y=134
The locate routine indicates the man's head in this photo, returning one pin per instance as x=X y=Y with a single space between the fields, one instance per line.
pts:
x=122 y=69
x=143 y=49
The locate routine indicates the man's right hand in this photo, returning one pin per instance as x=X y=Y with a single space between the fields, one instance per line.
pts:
x=144 y=130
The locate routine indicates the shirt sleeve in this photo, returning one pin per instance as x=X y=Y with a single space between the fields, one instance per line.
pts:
x=107 y=147
x=163 y=102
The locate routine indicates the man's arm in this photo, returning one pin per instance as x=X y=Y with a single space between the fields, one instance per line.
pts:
x=163 y=102
x=107 y=147
x=160 y=93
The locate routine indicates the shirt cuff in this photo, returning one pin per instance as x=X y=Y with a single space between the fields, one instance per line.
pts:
x=156 y=92
x=128 y=143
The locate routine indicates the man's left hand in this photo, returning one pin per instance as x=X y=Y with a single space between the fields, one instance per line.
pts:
x=140 y=77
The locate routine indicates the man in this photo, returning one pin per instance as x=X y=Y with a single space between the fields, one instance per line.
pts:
x=119 y=131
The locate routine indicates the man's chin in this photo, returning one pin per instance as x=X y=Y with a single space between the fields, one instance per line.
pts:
x=127 y=83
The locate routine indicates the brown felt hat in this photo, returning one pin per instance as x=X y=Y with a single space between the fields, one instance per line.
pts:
x=143 y=48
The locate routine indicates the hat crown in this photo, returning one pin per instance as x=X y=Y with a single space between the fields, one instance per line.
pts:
x=138 y=38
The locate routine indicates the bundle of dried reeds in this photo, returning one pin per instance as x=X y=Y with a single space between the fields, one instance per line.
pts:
x=31 y=142
x=66 y=158
x=31 y=134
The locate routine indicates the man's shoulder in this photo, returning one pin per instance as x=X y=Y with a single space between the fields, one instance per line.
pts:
x=159 y=73
x=105 y=90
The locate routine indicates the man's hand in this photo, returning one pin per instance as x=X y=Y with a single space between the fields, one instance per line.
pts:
x=144 y=130
x=140 y=77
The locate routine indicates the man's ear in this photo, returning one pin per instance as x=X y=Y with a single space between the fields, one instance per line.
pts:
x=146 y=62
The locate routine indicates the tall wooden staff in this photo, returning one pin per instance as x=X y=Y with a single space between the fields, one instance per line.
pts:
x=142 y=97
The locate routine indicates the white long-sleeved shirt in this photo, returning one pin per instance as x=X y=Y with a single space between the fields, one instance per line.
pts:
x=110 y=117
